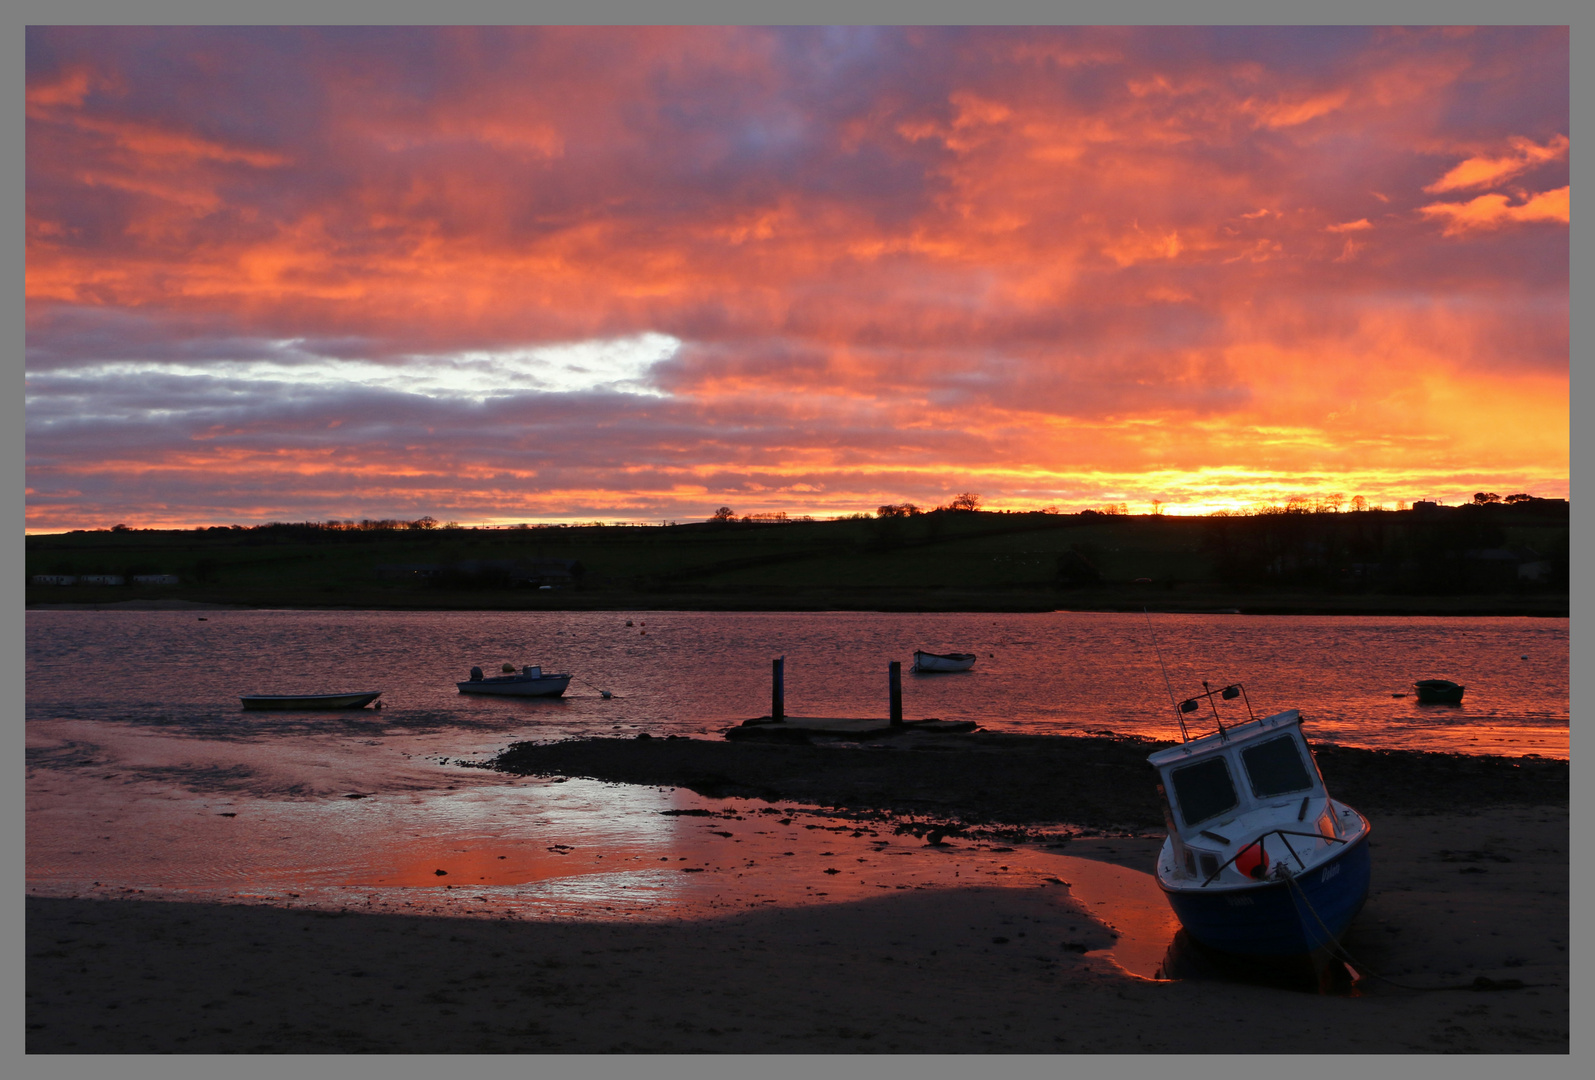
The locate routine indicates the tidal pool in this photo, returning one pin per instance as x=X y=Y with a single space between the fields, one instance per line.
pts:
x=438 y=838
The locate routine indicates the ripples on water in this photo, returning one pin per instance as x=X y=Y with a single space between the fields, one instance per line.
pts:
x=143 y=771
x=694 y=672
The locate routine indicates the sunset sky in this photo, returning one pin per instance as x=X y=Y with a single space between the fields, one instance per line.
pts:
x=507 y=275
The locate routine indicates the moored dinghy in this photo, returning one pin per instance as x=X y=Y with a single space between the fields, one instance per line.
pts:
x=929 y=661
x=310 y=701
x=530 y=682
x=1438 y=692
x=1259 y=861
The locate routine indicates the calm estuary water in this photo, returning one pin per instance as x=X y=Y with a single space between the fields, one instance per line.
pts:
x=694 y=672
x=146 y=777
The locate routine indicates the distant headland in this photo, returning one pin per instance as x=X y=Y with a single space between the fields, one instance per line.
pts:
x=1485 y=558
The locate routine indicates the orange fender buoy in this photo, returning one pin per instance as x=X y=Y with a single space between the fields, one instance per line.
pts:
x=1253 y=860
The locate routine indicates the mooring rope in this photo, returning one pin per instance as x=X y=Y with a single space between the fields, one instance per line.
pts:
x=1340 y=952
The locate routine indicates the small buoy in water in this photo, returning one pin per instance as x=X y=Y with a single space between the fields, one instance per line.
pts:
x=203 y=619
x=1525 y=656
x=508 y=669
x=378 y=705
x=628 y=622
x=605 y=694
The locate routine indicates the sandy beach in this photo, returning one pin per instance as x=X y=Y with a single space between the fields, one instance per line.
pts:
x=1456 y=897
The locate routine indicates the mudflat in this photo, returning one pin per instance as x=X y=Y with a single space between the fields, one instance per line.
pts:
x=996 y=778
x=1457 y=897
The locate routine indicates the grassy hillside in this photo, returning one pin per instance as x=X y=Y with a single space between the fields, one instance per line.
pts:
x=1374 y=561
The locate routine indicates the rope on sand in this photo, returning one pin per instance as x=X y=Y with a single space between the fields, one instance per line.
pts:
x=1339 y=952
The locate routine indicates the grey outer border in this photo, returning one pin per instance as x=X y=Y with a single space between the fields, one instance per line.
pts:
x=709 y=12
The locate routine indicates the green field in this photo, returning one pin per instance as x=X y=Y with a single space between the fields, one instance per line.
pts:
x=956 y=561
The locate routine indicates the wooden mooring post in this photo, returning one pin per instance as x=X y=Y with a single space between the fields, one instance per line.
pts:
x=778 y=689
x=894 y=676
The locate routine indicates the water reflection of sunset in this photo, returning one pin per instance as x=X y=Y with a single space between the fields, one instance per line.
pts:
x=579 y=850
x=573 y=273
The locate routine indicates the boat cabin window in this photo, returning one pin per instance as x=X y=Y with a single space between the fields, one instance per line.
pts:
x=1203 y=790
x=1276 y=767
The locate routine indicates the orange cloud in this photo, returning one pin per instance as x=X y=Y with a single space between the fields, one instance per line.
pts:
x=1485 y=171
x=1280 y=114
x=897 y=264
x=1137 y=246
x=1494 y=211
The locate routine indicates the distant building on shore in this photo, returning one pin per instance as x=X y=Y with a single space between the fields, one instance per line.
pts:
x=103 y=579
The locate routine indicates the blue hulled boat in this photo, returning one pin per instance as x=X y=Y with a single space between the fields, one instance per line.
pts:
x=1259 y=861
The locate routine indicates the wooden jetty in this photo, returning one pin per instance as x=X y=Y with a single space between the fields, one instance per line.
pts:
x=802 y=728
x=778 y=727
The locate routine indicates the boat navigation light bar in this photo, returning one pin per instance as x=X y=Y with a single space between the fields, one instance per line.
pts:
x=1228 y=693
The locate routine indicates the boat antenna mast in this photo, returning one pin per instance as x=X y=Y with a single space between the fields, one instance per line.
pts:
x=1208 y=690
x=1185 y=735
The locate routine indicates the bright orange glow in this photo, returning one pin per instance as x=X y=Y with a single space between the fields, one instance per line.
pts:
x=1059 y=268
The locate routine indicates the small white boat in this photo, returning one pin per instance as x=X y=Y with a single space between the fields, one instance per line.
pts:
x=531 y=682
x=309 y=701
x=955 y=661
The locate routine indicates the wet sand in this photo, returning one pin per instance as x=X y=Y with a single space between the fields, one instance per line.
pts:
x=1455 y=897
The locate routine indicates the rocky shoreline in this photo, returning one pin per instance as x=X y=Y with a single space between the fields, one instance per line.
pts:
x=1097 y=782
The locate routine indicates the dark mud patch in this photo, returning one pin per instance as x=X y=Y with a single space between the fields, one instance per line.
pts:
x=1417 y=782
x=1098 y=782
